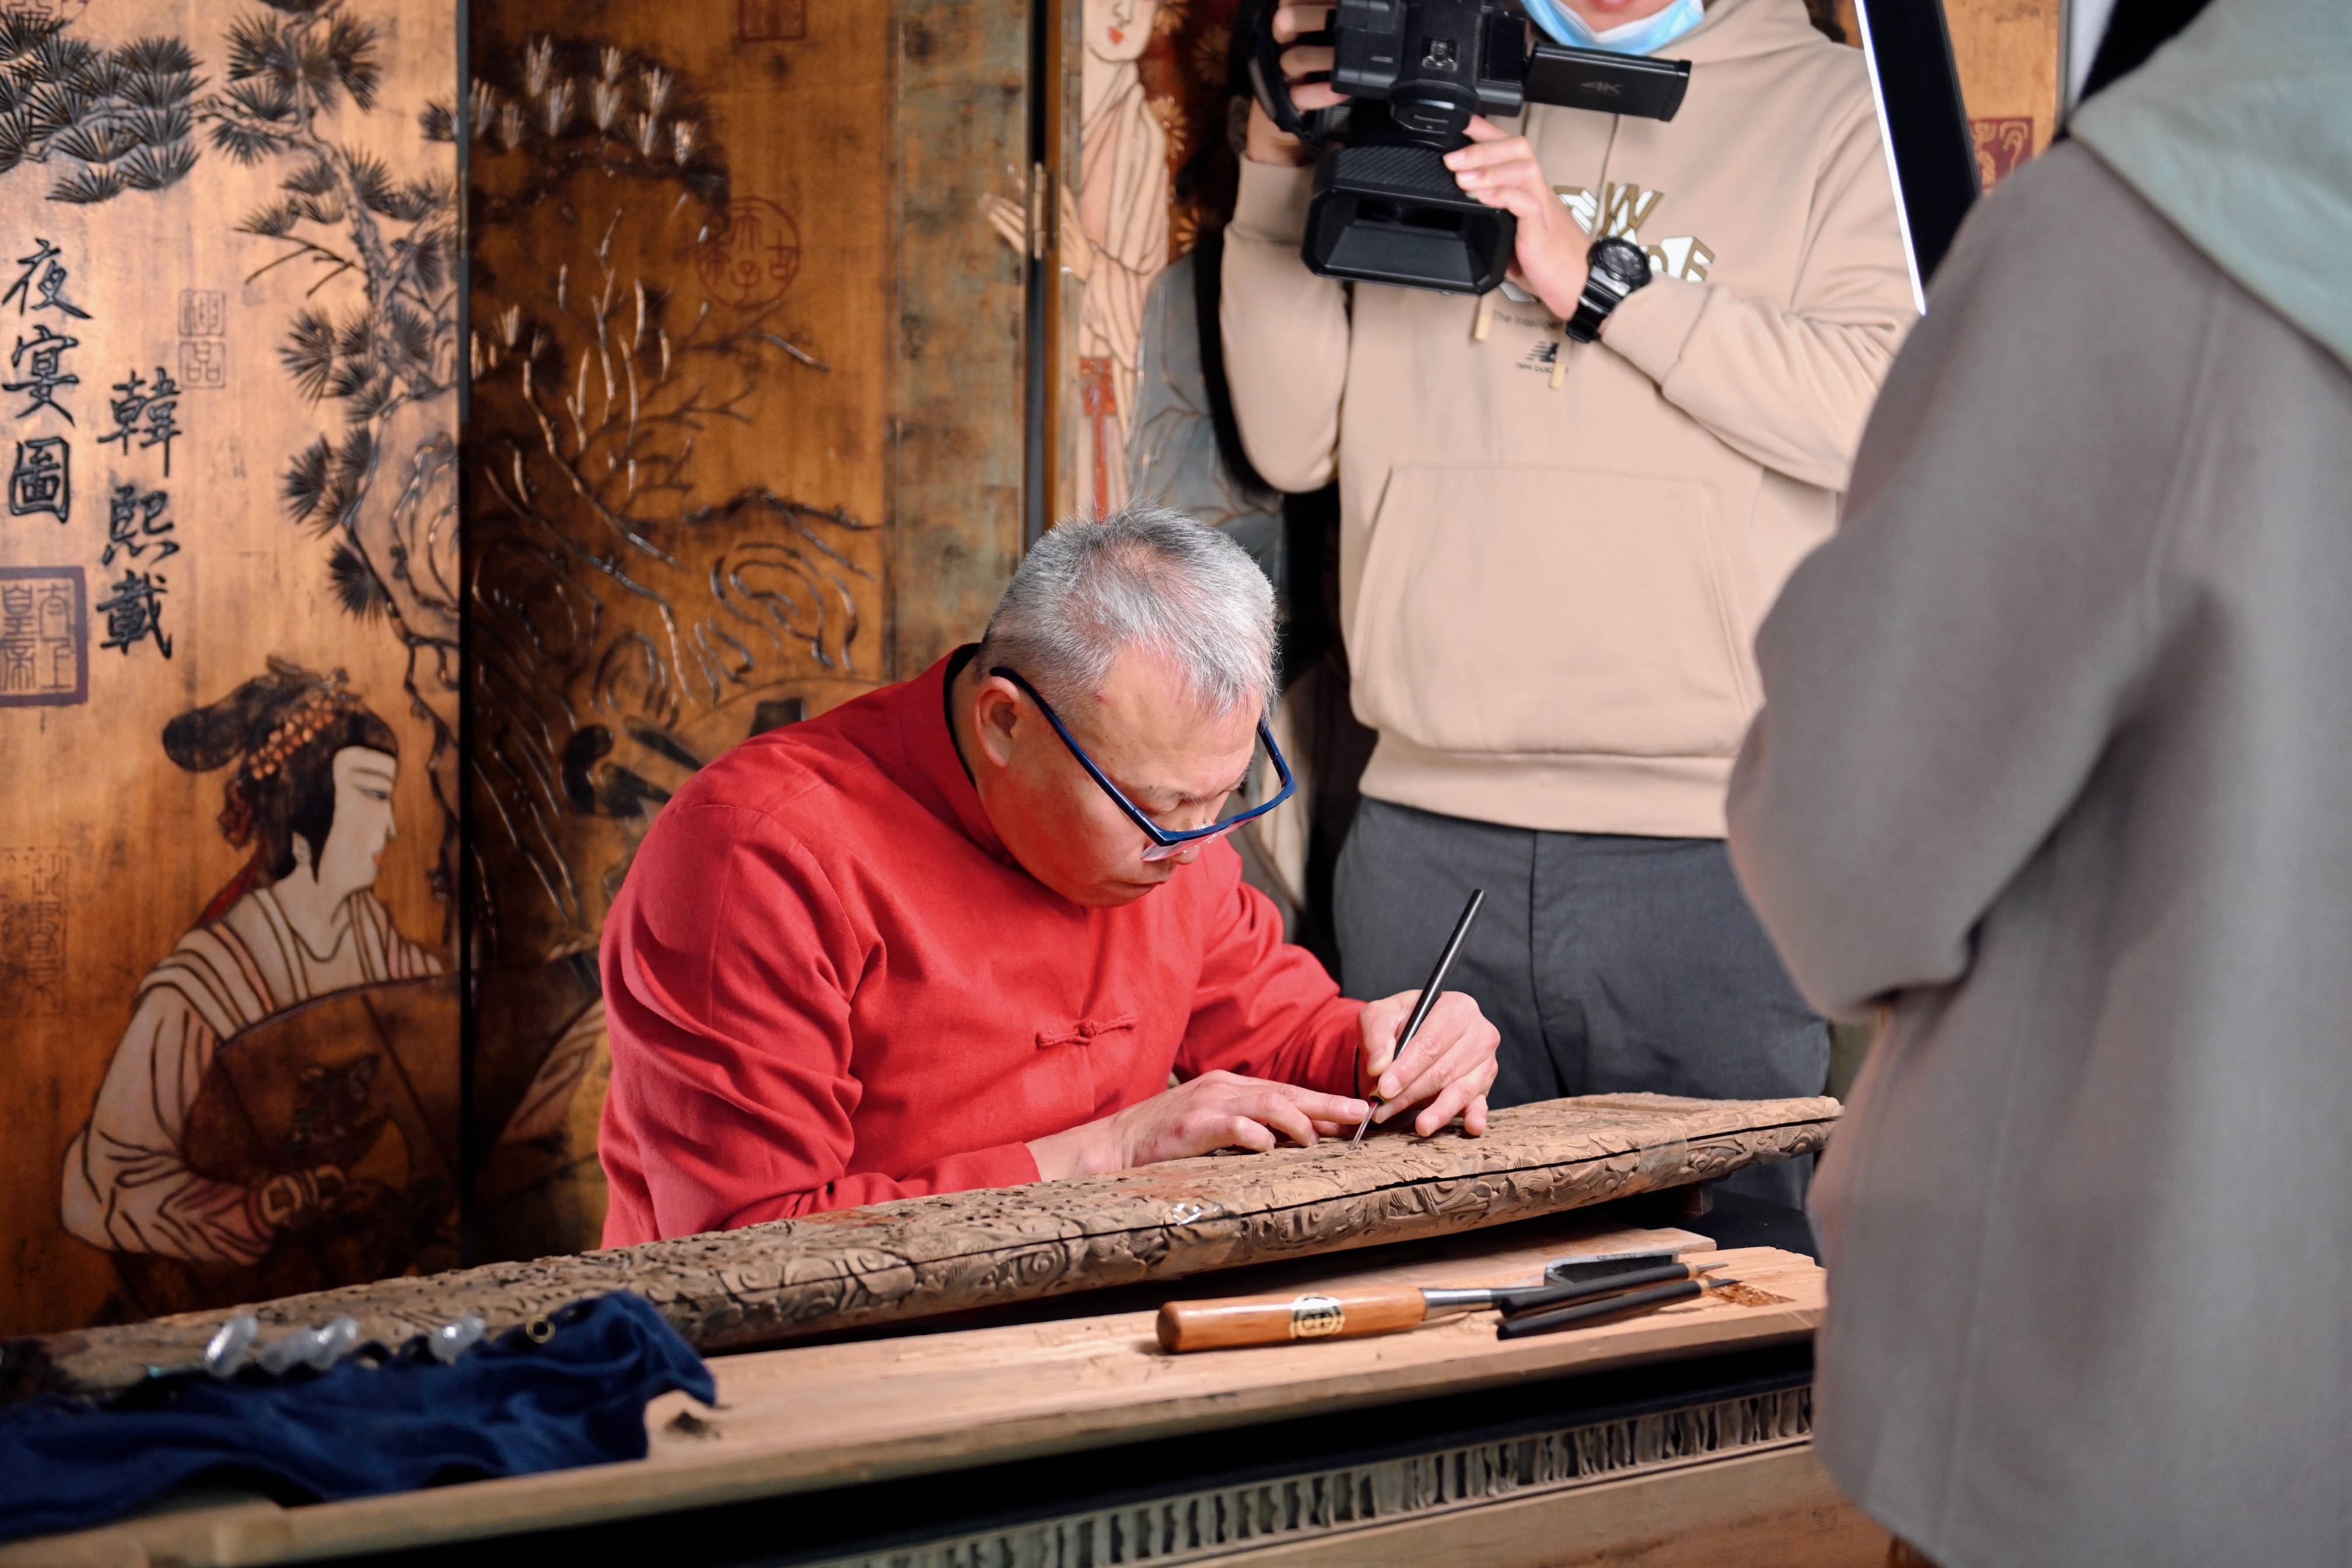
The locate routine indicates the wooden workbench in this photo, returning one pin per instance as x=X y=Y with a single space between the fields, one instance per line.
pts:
x=1069 y=1438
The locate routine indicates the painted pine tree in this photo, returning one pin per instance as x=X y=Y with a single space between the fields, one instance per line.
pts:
x=105 y=121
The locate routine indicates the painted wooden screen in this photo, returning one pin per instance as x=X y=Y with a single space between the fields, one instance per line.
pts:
x=228 y=649
x=280 y=740
x=745 y=440
x=2009 y=56
x=1144 y=170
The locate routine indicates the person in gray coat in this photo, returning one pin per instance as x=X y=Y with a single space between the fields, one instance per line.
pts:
x=2055 y=766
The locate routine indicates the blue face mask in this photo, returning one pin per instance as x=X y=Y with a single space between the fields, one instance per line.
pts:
x=1646 y=37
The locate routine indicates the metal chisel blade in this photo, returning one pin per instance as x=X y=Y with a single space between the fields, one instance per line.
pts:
x=1601 y=1265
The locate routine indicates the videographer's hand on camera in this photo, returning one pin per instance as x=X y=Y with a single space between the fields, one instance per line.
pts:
x=1268 y=142
x=1500 y=169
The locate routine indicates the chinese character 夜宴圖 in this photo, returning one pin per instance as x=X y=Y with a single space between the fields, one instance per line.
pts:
x=46 y=373
x=46 y=293
x=42 y=480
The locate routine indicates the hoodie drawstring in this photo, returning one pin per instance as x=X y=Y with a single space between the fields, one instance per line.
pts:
x=1600 y=219
x=1482 y=322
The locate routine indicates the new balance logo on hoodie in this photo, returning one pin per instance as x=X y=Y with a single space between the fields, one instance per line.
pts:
x=1628 y=207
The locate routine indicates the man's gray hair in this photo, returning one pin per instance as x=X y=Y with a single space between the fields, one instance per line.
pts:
x=1145 y=578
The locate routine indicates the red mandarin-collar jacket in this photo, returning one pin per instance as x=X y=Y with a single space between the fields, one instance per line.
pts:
x=829 y=984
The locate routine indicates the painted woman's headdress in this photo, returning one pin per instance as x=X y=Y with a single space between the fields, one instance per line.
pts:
x=259 y=726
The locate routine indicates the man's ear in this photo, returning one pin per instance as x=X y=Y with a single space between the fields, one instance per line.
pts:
x=996 y=715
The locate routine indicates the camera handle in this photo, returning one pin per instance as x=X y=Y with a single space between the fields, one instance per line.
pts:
x=1314 y=126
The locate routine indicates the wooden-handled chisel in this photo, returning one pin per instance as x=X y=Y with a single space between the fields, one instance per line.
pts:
x=1376 y=1309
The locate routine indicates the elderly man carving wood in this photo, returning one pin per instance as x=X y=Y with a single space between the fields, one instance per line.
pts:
x=958 y=933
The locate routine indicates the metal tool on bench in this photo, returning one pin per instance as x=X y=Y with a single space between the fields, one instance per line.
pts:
x=1587 y=1265
x=1565 y=1315
x=1382 y=1309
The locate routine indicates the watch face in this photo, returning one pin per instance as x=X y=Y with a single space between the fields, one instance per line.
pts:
x=1621 y=261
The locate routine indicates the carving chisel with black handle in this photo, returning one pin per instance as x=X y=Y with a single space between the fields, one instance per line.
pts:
x=1551 y=1322
x=1428 y=999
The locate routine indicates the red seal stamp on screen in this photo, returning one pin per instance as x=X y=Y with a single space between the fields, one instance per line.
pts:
x=755 y=257
x=2002 y=146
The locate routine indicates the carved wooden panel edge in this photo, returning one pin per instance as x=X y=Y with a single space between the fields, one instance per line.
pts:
x=924 y=1256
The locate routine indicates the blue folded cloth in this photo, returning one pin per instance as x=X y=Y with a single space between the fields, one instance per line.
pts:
x=508 y=1407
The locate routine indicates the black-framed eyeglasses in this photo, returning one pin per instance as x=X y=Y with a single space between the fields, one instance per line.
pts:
x=1165 y=843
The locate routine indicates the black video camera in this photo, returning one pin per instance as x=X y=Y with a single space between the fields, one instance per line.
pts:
x=1386 y=207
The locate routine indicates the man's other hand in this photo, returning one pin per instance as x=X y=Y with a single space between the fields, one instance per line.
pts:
x=1450 y=1064
x=1500 y=169
x=1216 y=1110
x=1268 y=142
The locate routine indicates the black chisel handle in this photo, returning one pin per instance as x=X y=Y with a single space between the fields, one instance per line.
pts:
x=1529 y=1298
x=1568 y=1317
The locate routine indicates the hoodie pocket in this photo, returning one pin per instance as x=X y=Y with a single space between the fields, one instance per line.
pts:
x=1548 y=610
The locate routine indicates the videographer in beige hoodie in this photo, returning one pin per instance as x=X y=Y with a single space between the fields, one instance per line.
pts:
x=1554 y=555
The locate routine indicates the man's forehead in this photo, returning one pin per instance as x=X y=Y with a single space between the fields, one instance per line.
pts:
x=1146 y=688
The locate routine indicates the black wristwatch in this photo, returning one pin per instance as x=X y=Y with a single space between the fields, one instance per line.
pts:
x=1617 y=267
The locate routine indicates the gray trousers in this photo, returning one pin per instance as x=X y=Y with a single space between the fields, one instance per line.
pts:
x=1611 y=964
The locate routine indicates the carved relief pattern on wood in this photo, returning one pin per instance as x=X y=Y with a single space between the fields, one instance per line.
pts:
x=640 y=601
x=921 y=1256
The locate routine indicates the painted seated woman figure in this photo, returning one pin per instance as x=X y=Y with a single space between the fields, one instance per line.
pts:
x=311 y=790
